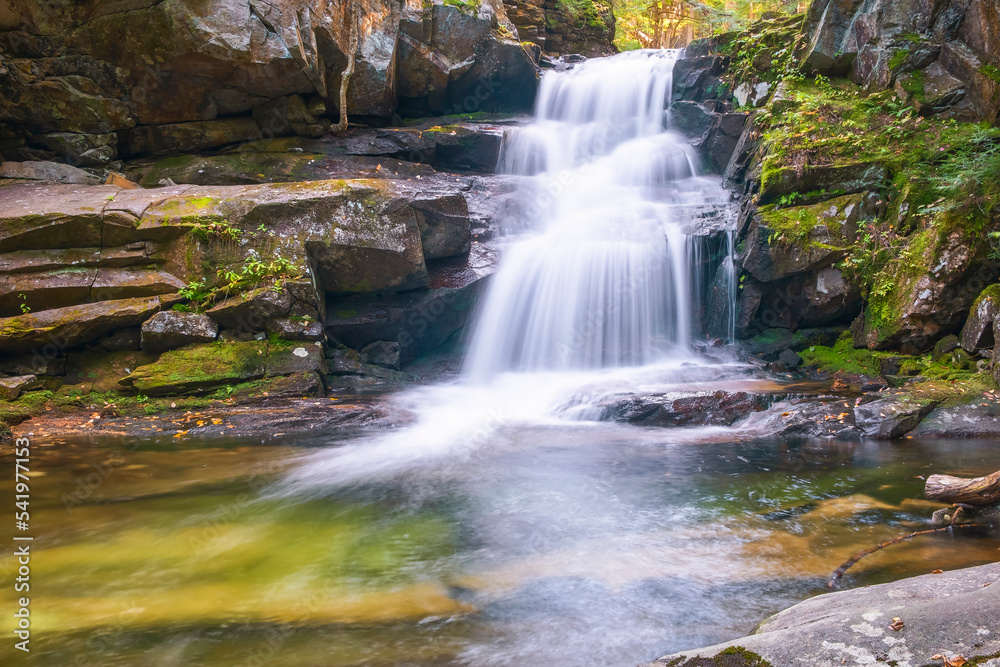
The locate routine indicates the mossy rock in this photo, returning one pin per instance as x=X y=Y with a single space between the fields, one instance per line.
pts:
x=200 y=368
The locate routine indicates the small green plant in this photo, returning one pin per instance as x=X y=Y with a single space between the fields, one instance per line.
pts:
x=25 y=308
x=141 y=399
x=216 y=229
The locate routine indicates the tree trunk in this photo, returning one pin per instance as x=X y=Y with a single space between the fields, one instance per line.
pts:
x=979 y=491
x=345 y=77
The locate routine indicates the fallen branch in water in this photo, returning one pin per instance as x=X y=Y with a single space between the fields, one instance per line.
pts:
x=978 y=491
x=839 y=572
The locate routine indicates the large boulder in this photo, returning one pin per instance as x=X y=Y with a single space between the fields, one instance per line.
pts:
x=948 y=614
x=977 y=334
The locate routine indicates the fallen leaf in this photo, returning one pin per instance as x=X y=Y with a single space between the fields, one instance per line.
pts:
x=897 y=624
x=938 y=572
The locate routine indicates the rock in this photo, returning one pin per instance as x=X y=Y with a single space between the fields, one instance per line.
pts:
x=381 y=353
x=251 y=311
x=288 y=358
x=123 y=340
x=973 y=420
x=891 y=417
x=929 y=90
x=11 y=387
x=189 y=137
x=944 y=346
x=289 y=114
x=445 y=228
x=52 y=331
x=778 y=180
x=120 y=181
x=47 y=171
x=773 y=250
x=790 y=360
x=34 y=364
x=718 y=408
x=720 y=146
x=697 y=78
x=61 y=216
x=295 y=329
x=418 y=321
x=558 y=28
x=692 y=119
x=199 y=368
x=825 y=418
x=826 y=26
x=81 y=149
x=348 y=371
x=977 y=334
x=102 y=371
x=942 y=614
x=927 y=301
x=171 y=329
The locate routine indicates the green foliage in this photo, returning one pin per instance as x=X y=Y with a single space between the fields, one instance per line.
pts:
x=765 y=51
x=216 y=229
x=255 y=272
x=25 y=308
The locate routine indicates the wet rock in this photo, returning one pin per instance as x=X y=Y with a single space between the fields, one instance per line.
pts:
x=718 y=408
x=54 y=172
x=942 y=614
x=57 y=329
x=296 y=329
x=977 y=334
x=698 y=78
x=172 y=329
x=720 y=146
x=419 y=321
x=826 y=418
x=973 y=420
x=251 y=311
x=11 y=387
x=445 y=228
x=693 y=120
x=382 y=353
x=349 y=371
x=892 y=416
x=790 y=360
x=291 y=357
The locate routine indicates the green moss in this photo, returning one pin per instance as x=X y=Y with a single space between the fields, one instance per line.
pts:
x=991 y=71
x=844 y=357
x=913 y=84
x=733 y=656
x=898 y=59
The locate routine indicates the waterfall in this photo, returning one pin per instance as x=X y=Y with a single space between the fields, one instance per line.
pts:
x=609 y=271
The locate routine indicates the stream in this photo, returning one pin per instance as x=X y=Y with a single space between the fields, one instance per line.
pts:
x=504 y=525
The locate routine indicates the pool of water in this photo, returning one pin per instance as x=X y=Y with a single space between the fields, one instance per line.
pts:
x=604 y=544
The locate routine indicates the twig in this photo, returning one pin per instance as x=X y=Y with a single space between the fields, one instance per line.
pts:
x=839 y=572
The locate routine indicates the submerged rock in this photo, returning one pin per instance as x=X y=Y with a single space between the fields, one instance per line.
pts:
x=716 y=408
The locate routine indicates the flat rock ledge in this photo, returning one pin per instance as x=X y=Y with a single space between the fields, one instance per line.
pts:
x=950 y=614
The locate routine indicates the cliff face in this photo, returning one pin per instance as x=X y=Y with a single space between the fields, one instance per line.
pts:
x=561 y=27
x=940 y=53
x=84 y=81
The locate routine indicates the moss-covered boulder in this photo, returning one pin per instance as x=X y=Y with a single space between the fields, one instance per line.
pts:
x=200 y=368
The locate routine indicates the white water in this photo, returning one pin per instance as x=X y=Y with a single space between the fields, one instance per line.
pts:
x=605 y=278
x=599 y=295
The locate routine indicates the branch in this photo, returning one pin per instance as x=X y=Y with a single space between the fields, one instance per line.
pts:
x=977 y=491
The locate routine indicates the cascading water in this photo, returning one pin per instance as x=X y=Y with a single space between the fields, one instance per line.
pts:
x=606 y=277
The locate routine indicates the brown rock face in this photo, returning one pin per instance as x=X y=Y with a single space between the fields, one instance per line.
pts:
x=560 y=28
x=164 y=77
x=939 y=55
